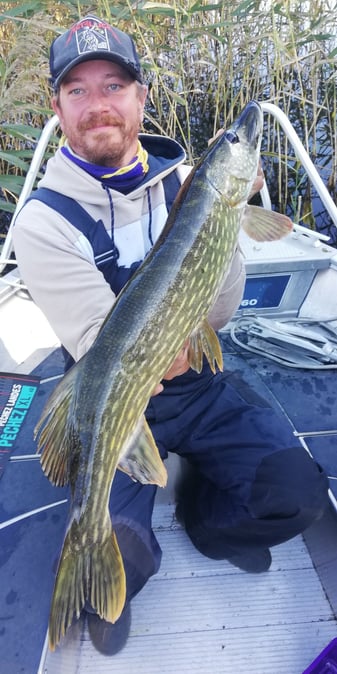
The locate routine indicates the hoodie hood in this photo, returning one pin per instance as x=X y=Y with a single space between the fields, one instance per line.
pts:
x=62 y=175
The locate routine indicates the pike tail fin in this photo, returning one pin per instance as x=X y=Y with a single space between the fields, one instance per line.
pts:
x=94 y=573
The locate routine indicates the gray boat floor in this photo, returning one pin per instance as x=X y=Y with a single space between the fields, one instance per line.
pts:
x=196 y=615
x=199 y=615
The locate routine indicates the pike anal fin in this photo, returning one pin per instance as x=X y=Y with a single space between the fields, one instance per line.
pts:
x=142 y=461
x=204 y=340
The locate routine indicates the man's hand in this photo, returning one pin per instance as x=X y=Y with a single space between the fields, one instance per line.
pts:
x=258 y=182
x=179 y=366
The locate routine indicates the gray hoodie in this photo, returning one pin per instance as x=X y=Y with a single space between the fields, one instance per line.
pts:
x=56 y=260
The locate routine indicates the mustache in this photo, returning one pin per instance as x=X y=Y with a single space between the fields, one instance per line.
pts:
x=98 y=119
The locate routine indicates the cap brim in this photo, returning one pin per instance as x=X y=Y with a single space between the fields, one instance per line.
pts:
x=101 y=56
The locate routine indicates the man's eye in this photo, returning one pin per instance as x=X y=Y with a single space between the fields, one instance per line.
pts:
x=114 y=86
x=76 y=91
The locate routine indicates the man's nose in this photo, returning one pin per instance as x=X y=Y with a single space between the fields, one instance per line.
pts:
x=99 y=101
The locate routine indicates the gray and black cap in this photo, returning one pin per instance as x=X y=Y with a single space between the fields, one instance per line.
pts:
x=88 y=39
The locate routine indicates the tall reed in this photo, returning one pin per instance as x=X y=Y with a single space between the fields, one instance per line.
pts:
x=203 y=61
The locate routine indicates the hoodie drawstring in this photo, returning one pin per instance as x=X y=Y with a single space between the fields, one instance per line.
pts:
x=112 y=220
x=149 y=207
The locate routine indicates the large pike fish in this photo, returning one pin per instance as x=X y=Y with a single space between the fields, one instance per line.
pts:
x=94 y=421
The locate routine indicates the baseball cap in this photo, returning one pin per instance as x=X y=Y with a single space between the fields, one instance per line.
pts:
x=91 y=38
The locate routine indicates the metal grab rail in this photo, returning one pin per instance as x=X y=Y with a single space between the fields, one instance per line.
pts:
x=28 y=185
x=267 y=108
x=303 y=157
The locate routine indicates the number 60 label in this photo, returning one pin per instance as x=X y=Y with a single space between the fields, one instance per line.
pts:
x=249 y=303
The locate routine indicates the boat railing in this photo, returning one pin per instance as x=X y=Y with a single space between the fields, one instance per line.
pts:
x=7 y=253
x=304 y=158
x=37 y=159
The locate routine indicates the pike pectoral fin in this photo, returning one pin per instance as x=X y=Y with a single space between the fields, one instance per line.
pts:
x=55 y=436
x=263 y=225
x=204 y=340
x=94 y=573
x=142 y=461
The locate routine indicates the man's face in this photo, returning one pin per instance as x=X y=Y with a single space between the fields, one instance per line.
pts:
x=100 y=108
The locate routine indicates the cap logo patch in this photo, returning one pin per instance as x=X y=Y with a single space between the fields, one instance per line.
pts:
x=91 y=36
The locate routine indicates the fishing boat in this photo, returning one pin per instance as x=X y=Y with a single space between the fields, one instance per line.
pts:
x=195 y=615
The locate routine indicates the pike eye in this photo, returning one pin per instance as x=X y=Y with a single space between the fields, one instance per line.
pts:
x=232 y=137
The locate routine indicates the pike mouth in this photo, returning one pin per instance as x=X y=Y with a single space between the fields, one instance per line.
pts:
x=248 y=125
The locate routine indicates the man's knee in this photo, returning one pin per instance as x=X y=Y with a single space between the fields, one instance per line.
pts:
x=289 y=485
x=141 y=555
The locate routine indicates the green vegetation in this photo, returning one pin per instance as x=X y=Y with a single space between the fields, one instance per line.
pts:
x=203 y=60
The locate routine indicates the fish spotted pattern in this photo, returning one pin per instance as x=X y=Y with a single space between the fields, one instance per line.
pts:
x=93 y=423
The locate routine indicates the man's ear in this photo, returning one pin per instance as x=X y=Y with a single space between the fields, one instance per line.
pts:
x=57 y=109
x=54 y=104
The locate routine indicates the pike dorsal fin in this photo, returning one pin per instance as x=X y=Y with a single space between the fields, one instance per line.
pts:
x=142 y=460
x=56 y=439
x=204 y=340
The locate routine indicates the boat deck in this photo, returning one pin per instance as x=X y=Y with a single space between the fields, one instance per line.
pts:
x=202 y=616
x=195 y=615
